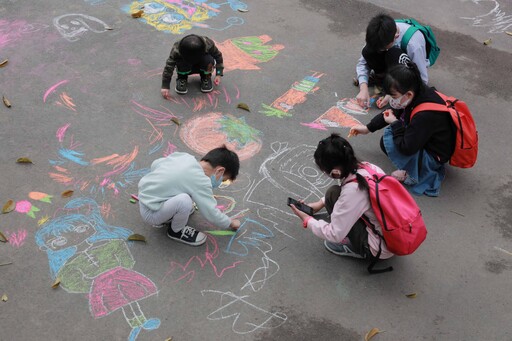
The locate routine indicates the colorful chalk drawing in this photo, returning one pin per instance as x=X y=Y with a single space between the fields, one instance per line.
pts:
x=111 y=172
x=73 y=26
x=247 y=317
x=244 y=53
x=25 y=206
x=496 y=19
x=178 y=16
x=12 y=31
x=251 y=237
x=188 y=271
x=202 y=133
x=91 y=257
x=17 y=238
x=290 y=172
x=339 y=116
x=282 y=106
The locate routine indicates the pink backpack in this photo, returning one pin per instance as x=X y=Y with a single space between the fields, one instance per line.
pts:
x=403 y=228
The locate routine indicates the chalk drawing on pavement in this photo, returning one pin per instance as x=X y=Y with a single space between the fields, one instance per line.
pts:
x=73 y=26
x=496 y=19
x=12 y=31
x=283 y=105
x=202 y=133
x=91 y=257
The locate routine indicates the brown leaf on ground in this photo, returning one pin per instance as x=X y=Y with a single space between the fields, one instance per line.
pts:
x=7 y=103
x=137 y=14
x=23 y=160
x=56 y=284
x=372 y=333
x=3 y=238
x=8 y=207
x=243 y=106
x=4 y=298
x=4 y=62
x=67 y=194
x=137 y=237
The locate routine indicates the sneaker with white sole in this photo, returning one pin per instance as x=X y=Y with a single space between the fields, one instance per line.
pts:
x=206 y=84
x=187 y=235
x=342 y=249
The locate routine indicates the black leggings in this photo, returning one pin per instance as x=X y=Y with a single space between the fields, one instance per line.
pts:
x=204 y=66
x=358 y=234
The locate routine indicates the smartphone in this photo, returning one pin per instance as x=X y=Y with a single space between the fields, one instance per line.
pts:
x=300 y=206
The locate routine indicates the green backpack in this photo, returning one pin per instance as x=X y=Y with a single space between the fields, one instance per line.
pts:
x=432 y=49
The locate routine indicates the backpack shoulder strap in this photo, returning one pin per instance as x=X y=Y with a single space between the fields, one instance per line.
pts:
x=407 y=37
x=428 y=106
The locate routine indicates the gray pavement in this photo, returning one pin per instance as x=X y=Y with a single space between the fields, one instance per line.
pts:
x=83 y=78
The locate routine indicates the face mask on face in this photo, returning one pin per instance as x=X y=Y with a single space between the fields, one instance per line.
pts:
x=216 y=182
x=396 y=103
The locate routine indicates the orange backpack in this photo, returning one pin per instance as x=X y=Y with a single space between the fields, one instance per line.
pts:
x=466 y=140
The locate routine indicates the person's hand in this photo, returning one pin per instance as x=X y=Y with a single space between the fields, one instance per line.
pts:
x=358 y=129
x=363 y=97
x=165 y=93
x=389 y=117
x=299 y=213
x=216 y=80
x=316 y=206
x=383 y=101
x=235 y=224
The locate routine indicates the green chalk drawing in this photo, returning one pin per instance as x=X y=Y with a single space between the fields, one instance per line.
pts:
x=237 y=130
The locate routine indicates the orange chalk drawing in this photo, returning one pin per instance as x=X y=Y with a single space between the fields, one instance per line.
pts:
x=333 y=118
x=296 y=95
x=66 y=101
x=244 y=53
x=205 y=132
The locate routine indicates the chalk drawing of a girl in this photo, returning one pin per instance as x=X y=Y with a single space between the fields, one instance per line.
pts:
x=90 y=256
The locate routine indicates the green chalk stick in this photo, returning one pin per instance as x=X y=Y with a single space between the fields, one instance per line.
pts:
x=133 y=201
x=221 y=233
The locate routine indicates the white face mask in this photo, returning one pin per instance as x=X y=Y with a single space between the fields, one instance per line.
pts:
x=396 y=103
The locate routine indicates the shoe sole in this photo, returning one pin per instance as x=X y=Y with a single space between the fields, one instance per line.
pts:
x=181 y=92
x=343 y=254
x=196 y=243
x=207 y=90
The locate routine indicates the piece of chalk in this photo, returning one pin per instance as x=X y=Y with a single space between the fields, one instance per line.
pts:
x=133 y=201
x=135 y=197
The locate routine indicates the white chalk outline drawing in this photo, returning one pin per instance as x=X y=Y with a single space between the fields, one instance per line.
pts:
x=292 y=165
x=496 y=18
x=73 y=33
x=239 y=310
x=252 y=234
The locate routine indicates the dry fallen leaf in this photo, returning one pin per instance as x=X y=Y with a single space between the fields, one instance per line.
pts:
x=108 y=28
x=412 y=295
x=509 y=33
x=243 y=106
x=488 y=41
x=3 y=238
x=4 y=297
x=137 y=14
x=137 y=237
x=355 y=81
x=372 y=333
x=176 y=121
x=243 y=10
x=67 y=194
x=4 y=62
x=8 y=207
x=23 y=160
x=56 y=284
x=6 y=102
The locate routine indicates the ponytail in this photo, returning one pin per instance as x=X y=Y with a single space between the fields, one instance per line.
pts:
x=404 y=77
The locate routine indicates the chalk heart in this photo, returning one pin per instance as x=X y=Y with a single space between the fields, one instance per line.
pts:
x=205 y=132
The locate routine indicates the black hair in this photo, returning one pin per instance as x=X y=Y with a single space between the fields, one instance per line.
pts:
x=380 y=32
x=402 y=78
x=224 y=157
x=192 y=47
x=335 y=151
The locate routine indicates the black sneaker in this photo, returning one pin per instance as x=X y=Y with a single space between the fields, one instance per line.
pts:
x=188 y=235
x=181 y=86
x=206 y=84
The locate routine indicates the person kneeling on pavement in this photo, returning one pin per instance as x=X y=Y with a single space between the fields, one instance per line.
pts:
x=168 y=192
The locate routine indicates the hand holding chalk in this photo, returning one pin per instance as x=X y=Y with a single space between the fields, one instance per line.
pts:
x=389 y=117
x=358 y=129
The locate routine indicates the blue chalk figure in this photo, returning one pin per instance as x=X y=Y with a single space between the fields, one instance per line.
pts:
x=89 y=256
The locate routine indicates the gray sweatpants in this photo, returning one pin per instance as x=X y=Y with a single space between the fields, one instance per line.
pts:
x=177 y=208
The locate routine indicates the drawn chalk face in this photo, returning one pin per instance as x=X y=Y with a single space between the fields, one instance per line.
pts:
x=76 y=235
x=72 y=26
x=153 y=8
x=171 y=18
